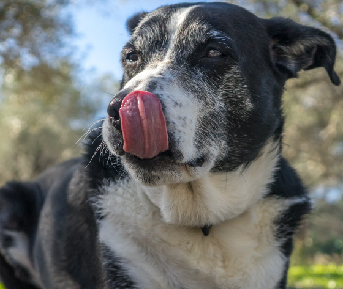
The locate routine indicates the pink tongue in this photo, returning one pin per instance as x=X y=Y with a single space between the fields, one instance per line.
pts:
x=143 y=125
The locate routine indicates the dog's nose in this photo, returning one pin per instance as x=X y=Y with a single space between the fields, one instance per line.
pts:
x=113 y=109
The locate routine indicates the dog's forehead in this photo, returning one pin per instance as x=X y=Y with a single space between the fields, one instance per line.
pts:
x=164 y=24
x=196 y=22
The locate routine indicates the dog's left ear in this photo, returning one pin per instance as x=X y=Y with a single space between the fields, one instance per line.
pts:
x=134 y=20
x=295 y=47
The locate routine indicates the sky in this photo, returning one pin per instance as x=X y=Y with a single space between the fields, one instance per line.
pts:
x=101 y=31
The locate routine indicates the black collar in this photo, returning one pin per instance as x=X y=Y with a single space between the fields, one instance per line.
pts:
x=206 y=230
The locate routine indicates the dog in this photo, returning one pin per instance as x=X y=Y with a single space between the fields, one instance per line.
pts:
x=185 y=186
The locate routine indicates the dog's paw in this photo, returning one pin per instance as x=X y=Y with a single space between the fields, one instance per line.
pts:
x=18 y=217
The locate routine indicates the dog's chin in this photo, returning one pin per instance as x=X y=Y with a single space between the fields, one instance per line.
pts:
x=163 y=169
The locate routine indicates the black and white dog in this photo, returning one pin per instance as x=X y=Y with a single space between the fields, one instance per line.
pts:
x=186 y=187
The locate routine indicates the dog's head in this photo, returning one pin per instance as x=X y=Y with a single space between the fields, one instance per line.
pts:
x=218 y=72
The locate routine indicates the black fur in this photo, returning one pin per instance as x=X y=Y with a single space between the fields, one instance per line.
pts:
x=133 y=22
x=9 y=278
x=288 y=185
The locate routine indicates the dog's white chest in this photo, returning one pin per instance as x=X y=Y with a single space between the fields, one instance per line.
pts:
x=239 y=253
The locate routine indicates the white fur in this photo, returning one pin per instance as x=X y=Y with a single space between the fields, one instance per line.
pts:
x=240 y=252
x=176 y=21
x=216 y=197
x=174 y=28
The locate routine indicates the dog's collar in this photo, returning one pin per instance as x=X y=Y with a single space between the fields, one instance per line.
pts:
x=206 y=230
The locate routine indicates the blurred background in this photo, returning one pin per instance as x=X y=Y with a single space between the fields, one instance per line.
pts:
x=59 y=68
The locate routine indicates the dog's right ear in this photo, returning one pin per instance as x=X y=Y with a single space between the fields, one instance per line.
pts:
x=134 y=20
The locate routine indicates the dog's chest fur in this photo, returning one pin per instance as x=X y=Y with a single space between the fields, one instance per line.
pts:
x=239 y=253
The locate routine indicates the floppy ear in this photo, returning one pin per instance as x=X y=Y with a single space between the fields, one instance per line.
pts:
x=134 y=20
x=295 y=47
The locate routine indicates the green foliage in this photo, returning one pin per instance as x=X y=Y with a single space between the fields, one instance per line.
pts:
x=36 y=114
x=316 y=276
x=321 y=240
x=32 y=31
x=326 y=13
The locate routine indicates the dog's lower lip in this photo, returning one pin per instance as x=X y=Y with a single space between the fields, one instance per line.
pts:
x=166 y=153
x=198 y=162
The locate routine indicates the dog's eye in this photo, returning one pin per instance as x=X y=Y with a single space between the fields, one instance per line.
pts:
x=132 y=57
x=213 y=53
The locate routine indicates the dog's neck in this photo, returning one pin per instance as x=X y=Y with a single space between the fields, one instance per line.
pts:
x=135 y=226
x=216 y=197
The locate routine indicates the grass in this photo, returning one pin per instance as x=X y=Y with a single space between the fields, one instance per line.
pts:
x=316 y=276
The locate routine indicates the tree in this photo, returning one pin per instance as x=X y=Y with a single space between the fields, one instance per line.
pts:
x=42 y=109
x=32 y=32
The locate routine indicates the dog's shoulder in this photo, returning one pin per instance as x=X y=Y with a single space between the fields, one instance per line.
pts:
x=68 y=223
x=288 y=186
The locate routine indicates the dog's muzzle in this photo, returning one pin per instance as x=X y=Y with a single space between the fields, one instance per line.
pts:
x=140 y=118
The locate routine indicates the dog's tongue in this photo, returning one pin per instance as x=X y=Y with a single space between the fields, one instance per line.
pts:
x=143 y=125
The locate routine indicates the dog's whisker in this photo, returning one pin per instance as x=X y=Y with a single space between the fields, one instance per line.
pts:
x=104 y=91
x=94 y=123
x=96 y=138
x=96 y=151
x=84 y=136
